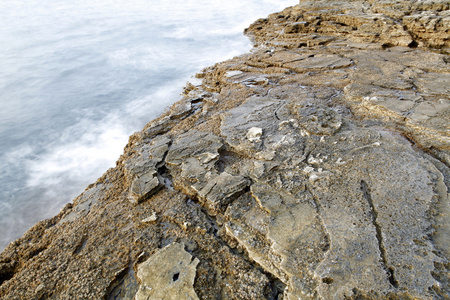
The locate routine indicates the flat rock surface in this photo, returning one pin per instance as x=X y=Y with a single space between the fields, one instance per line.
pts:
x=168 y=274
x=314 y=167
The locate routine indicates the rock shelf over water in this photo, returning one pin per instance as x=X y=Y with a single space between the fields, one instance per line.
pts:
x=314 y=167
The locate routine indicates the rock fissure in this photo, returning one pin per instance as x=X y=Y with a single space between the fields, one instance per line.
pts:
x=319 y=210
x=124 y=284
x=374 y=214
x=275 y=286
x=162 y=163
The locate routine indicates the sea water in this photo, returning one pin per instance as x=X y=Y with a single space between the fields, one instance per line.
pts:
x=78 y=77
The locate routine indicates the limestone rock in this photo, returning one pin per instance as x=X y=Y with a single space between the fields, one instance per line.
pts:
x=315 y=167
x=168 y=274
x=143 y=186
x=254 y=134
x=219 y=190
x=143 y=173
x=152 y=218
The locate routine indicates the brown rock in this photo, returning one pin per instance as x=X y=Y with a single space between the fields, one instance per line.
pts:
x=315 y=167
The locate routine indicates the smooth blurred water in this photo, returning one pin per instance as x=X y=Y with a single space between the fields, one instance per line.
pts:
x=78 y=77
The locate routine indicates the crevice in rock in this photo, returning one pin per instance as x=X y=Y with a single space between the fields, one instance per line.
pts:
x=124 y=284
x=162 y=172
x=195 y=106
x=221 y=163
x=386 y=46
x=215 y=228
x=5 y=276
x=275 y=288
x=163 y=159
x=165 y=177
x=7 y=271
x=413 y=44
x=277 y=109
x=390 y=270
x=80 y=246
x=327 y=280
x=230 y=200
x=327 y=239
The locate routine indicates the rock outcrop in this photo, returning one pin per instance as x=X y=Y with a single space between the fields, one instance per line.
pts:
x=315 y=167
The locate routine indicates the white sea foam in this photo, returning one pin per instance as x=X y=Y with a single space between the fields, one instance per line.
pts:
x=97 y=145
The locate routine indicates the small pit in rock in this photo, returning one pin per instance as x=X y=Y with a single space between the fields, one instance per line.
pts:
x=175 y=277
x=327 y=280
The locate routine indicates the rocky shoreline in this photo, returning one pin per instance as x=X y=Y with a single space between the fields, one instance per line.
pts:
x=314 y=167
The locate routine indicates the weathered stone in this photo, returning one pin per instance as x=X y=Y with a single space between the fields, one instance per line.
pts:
x=220 y=189
x=150 y=219
x=156 y=127
x=319 y=62
x=254 y=134
x=256 y=112
x=168 y=274
x=143 y=186
x=314 y=167
x=318 y=120
x=143 y=174
x=85 y=202
x=191 y=144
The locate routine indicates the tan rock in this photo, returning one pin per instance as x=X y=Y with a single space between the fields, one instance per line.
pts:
x=168 y=275
x=314 y=167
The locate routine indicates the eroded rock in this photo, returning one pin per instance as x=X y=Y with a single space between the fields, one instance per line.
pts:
x=145 y=179
x=168 y=274
x=315 y=167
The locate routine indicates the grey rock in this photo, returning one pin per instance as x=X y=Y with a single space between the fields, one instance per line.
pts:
x=219 y=191
x=143 y=186
x=143 y=174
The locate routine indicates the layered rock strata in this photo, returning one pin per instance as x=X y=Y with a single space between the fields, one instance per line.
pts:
x=314 y=167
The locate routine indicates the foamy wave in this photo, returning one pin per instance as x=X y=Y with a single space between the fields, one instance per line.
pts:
x=93 y=151
x=144 y=58
x=97 y=149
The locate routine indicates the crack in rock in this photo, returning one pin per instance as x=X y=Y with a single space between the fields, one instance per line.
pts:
x=379 y=235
